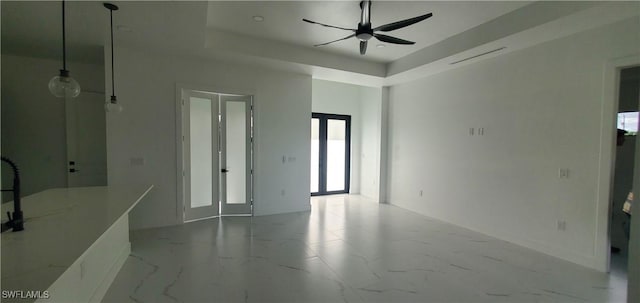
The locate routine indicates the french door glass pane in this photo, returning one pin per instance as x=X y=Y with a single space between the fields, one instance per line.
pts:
x=200 y=146
x=315 y=154
x=336 y=144
x=236 y=152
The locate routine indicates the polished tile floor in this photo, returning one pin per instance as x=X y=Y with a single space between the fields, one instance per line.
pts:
x=347 y=249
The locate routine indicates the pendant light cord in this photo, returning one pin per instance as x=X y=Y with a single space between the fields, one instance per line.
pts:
x=113 y=86
x=64 y=46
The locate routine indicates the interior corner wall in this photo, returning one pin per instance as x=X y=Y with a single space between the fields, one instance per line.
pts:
x=33 y=120
x=383 y=189
x=146 y=87
x=541 y=109
x=371 y=111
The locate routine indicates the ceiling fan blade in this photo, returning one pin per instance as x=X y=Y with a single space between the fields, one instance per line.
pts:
x=345 y=38
x=363 y=47
x=400 y=24
x=394 y=40
x=327 y=25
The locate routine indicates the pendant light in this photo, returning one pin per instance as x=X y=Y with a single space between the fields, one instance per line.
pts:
x=63 y=85
x=112 y=105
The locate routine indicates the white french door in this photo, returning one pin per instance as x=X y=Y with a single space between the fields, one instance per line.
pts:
x=200 y=145
x=235 y=154
x=217 y=154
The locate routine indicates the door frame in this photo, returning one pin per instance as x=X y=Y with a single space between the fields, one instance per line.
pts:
x=606 y=162
x=180 y=88
x=322 y=178
x=71 y=120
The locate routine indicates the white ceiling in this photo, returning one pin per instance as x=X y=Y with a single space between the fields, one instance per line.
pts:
x=283 y=22
x=33 y=27
x=226 y=30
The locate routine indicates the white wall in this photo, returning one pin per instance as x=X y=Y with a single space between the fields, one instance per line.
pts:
x=363 y=105
x=541 y=109
x=146 y=87
x=371 y=111
x=33 y=120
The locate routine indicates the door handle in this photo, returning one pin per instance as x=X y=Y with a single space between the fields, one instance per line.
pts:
x=224 y=170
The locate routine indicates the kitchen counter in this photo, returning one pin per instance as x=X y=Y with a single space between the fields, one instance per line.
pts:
x=63 y=228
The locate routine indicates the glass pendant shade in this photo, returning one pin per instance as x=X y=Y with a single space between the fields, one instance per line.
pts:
x=113 y=106
x=63 y=85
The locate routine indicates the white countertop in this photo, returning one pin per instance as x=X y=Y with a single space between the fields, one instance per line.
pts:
x=60 y=225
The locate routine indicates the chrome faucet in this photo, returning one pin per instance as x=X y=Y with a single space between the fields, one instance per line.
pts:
x=16 y=222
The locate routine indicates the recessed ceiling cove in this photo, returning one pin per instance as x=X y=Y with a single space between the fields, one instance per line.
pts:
x=282 y=22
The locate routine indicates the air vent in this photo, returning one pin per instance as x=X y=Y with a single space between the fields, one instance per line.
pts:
x=478 y=55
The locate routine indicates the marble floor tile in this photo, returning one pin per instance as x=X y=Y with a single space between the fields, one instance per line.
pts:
x=347 y=249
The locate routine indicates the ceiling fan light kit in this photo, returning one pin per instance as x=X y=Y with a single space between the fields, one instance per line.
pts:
x=365 y=31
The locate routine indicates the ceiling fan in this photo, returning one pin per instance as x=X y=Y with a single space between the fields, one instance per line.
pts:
x=365 y=31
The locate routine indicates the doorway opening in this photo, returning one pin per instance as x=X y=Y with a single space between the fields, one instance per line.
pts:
x=330 y=154
x=217 y=154
x=627 y=129
x=86 y=136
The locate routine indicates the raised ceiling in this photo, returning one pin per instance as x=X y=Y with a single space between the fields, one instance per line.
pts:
x=283 y=22
x=33 y=27
x=226 y=30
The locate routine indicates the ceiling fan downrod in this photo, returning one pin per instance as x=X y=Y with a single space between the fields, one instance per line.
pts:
x=365 y=15
x=364 y=32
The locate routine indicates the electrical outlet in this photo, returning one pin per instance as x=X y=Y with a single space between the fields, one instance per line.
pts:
x=563 y=173
x=562 y=225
